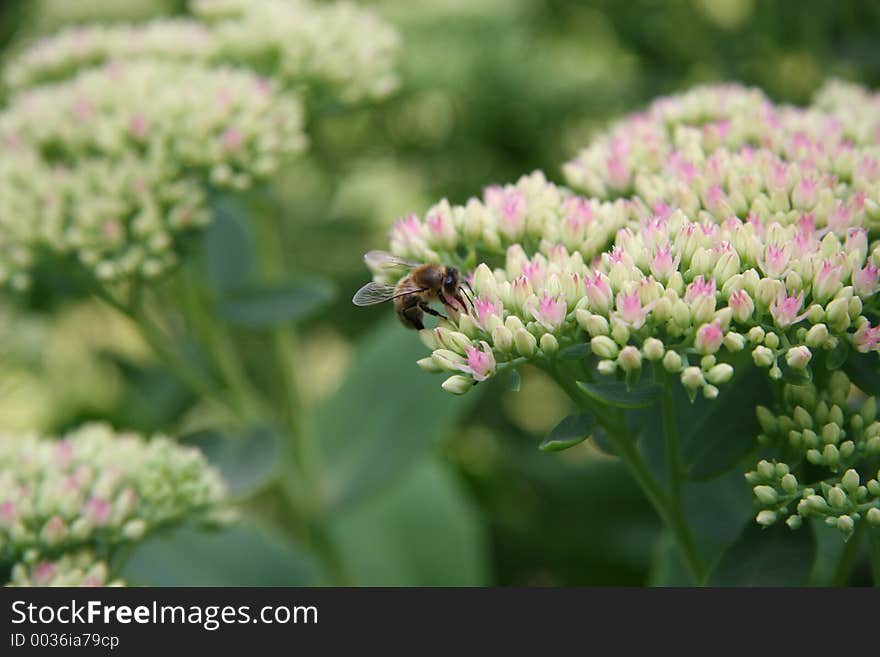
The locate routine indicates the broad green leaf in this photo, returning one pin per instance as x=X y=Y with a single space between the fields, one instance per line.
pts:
x=240 y=555
x=228 y=244
x=248 y=460
x=384 y=418
x=152 y=398
x=571 y=431
x=776 y=556
x=603 y=442
x=421 y=531
x=864 y=371
x=264 y=305
x=837 y=356
x=616 y=393
x=716 y=434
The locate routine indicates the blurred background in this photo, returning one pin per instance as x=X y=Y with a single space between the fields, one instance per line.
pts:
x=456 y=491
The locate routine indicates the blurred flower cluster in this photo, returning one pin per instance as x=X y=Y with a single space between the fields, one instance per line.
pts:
x=339 y=46
x=67 y=504
x=111 y=165
x=114 y=134
x=826 y=439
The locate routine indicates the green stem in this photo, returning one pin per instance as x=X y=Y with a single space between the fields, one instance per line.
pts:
x=849 y=557
x=219 y=348
x=160 y=345
x=670 y=431
x=670 y=513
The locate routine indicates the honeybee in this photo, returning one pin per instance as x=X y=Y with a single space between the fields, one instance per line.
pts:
x=424 y=284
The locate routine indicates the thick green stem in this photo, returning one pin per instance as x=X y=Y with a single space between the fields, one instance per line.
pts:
x=670 y=431
x=669 y=510
x=849 y=557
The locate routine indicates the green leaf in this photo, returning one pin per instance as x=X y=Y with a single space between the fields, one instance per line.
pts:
x=248 y=461
x=422 y=531
x=603 y=441
x=240 y=555
x=864 y=371
x=228 y=244
x=776 y=556
x=152 y=398
x=257 y=306
x=837 y=356
x=718 y=433
x=575 y=352
x=384 y=418
x=616 y=393
x=571 y=431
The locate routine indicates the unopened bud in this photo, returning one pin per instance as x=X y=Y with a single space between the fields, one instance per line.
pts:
x=457 y=384
x=549 y=344
x=720 y=374
x=653 y=349
x=604 y=347
x=630 y=359
x=526 y=344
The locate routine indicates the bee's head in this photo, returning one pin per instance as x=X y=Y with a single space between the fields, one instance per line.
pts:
x=451 y=281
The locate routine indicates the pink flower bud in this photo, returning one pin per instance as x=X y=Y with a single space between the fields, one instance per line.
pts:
x=742 y=305
x=709 y=338
x=629 y=309
x=867 y=338
x=827 y=281
x=865 y=280
x=549 y=312
x=598 y=291
x=480 y=362
x=485 y=309
x=784 y=309
x=700 y=295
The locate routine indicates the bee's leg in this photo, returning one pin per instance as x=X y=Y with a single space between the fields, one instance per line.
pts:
x=411 y=317
x=430 y=310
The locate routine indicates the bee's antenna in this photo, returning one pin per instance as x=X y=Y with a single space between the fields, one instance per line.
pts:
x=464 y=290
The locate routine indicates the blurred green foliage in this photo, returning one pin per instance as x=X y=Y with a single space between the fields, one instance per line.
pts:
x=425 y=489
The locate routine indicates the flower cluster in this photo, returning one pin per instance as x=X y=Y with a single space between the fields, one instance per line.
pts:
x=723 y=151
x=95 y=490
x=75 y=569
x=111 y=165
x=828 y=446
x=340 y=46
x=685 y=293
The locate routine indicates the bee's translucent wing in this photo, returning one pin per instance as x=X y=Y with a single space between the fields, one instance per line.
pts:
x=373 y=293
x=384 y=260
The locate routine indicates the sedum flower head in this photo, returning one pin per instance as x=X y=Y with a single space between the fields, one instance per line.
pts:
x=96 y=490
x=111 y=166
x=832 y=446
x=729 y=225
x=346 y=49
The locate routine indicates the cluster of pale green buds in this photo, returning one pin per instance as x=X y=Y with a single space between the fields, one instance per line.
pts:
x=828 y=431
x=94 y=489
x=74 y=569
x=339 y=46
x=111 y=166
